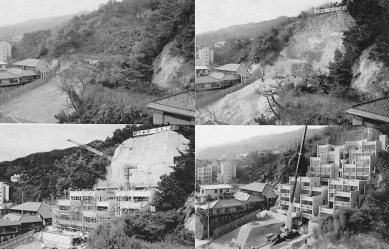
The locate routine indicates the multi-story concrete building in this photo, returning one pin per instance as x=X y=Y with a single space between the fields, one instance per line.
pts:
x=84 y=209
x=336 y=178
x=5 y=51
x=204 y=56
x=204 y=174
x=309 y=195
x=4 y=194
x=227 y=171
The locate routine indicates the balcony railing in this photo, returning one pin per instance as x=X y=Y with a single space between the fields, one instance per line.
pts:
x=342 y=193
x=342 y=204
x=326 y=210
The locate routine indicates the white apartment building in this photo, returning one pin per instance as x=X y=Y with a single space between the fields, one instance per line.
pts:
x=5 y=51
x=227 y=171
x=204 y=174
x=204 y=56
x=4 y=194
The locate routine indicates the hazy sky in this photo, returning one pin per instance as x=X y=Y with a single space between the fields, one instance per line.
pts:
x=15 y=11
x=210 y=135
x=217 y=14
x=21 y=140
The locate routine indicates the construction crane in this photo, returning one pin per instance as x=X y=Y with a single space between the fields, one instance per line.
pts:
x=90 y=149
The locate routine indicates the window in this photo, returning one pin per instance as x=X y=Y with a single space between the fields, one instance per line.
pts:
x=215 y=191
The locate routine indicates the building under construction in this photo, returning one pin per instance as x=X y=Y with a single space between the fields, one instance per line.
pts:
x=132 y=178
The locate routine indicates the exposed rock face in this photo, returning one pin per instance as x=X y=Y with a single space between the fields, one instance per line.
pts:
x=171 y=72
x=370 y=76
x=309 y=52
x=313 y=44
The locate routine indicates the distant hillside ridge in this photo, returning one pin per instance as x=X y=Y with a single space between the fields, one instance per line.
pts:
x=9 y=31
x=278 y=142
x=242 y=31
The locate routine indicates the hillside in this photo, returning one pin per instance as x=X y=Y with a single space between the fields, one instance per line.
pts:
x=261 y=143
x=244 y=31
x=9 y=31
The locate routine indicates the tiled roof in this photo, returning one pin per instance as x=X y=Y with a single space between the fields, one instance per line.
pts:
x=254 y=186
x=41 y=65
x=229 y=67
x=7 y=75
x=206 y=79
x=6 y=223
x=182 y=103
x=40 y=207
x=374 y=109
x=248 y=198
x=228 y=203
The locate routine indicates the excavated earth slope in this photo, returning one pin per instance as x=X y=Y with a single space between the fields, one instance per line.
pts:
x=152 y=156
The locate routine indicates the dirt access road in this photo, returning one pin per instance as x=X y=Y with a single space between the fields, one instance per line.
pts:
x=41 y=104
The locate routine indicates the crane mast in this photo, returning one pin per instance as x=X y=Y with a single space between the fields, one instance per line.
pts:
x=90 y=149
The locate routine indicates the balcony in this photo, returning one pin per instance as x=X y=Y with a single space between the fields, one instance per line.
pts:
x=284 y=202
x=343 y=193
x=306 y=198
x=285 y=186
x=342 y=204
x=326 y=210
x=132 y=205
x=285 y=195
x=306 y=207
x=90 y=213
x=102 y=203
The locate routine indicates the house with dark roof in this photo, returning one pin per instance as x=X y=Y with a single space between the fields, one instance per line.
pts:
x=238 y=70
x=41 y=67
x=372 y=112
x=177 y=108
x=8 y=229
x=260 y=189
x=225 y=206
x=252 y=201
x=25 y=76
x=207 y=83
x=30 y=215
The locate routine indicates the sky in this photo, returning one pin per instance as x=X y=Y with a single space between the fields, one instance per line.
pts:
x=217 y=14
x=15 y=11
x=21 y=140
x=211 y=135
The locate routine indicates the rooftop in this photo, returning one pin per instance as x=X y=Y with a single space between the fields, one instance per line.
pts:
x=229 y=67
x=226 y=203
x=206 y=79
x=248 y=198
x=7 y=75
x=42 y=208
x=377 y=109
x=41 y=65
x=216 y=186
x=6 y=223
x=254 y=186
x=183 y=103
x=21 y=72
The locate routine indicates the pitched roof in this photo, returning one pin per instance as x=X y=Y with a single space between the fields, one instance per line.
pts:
x=206 y=79
x=183 y=103
x=216 y=186
x=21 y=72
x=269 y=193
x=229 y=67
x=377 y=109
x=41 y=65
x=42 y=208
x=6 y=223
x=217 y=75
x=225 y=203
x=254 y=186
x=7 y=75
x=247 y=198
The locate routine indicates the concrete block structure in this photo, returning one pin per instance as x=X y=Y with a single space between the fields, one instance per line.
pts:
x=336 y=178
x=214 y=191
x=5 y=51
x=4 y=194
x=204 y=56
x=227 y=171
x=204 y=174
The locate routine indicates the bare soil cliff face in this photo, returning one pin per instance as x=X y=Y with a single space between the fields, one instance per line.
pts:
x=313 y=44
x=171 y=72
x=370 y=76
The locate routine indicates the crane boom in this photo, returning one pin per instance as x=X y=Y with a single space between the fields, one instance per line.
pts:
x=90 y=149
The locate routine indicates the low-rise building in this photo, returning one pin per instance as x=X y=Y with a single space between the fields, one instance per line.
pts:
x=30 y=215
x=177 y=108
x=201 y=70
x=85 y=208
x=25 y=76
x=264 y=190
x=214 y=191
x=8 y=229
x=227 y=206
x=238 y=70
x=8 y=79
x=41 y=67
